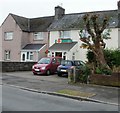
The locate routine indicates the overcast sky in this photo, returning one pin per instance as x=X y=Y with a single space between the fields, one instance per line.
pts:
x=40 y=8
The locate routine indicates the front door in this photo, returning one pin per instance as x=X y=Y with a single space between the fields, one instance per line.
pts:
x=58 y=54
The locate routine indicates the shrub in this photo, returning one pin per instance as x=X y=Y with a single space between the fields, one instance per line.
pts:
x=112 y=58
x=84 y=74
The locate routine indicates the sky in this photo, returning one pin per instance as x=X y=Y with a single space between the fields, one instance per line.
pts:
x=40 y=8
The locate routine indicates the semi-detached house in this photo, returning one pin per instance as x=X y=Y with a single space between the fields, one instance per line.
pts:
x=25 y=39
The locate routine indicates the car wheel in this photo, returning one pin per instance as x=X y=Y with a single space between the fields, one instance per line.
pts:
x=35 y=73
x=59 y=74
x=48 y=72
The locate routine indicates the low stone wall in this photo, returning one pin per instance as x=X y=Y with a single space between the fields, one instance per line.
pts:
x=106 y=80
x=16 y=66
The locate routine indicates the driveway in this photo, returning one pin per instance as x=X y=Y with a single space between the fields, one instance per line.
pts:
x=29 y=75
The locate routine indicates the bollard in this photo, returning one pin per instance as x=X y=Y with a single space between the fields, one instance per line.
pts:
x=70 y=75
x=74 y=74
x=72 y=78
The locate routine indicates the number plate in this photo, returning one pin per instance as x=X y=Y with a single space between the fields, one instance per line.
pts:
x=63 y=70
x=36 y=69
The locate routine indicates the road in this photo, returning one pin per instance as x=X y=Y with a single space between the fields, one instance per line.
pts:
x=15 y=99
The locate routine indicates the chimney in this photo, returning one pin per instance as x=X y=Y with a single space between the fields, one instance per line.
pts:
x=118 y=13
x=59 y=12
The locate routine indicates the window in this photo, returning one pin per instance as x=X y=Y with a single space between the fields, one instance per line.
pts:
x=38 y=36
x=31 y=55
x=73 y=56
x=54 y=61
x=8 y=35
x=64 y=34
x=7 y=55
x=27 y=55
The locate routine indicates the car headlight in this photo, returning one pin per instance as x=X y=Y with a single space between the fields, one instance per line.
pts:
x=43 y=68
x=33 y=67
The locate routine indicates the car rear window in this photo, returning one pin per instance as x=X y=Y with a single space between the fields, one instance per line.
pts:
x=77 y=63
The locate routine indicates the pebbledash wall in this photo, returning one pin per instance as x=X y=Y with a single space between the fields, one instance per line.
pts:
x=16 y=66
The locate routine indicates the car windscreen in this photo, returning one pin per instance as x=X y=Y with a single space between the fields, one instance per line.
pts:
x=66 y=63
x=44 y=61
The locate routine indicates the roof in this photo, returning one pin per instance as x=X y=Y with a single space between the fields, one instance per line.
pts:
x=67 y=22
x=33 y=24
x=62 y=46
x=21 y=21
x=40 y=24
x=75 y=21
x=33 y=46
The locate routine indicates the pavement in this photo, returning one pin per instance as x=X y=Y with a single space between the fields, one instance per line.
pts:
x=53 y=84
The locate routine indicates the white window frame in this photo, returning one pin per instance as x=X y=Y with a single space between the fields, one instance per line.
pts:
x=7 y=54
x=64 y=34
x=8 y=35
x=31 y=56
x=73 y=56
x=38 y=36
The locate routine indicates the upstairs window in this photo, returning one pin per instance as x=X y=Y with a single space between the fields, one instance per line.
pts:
x=64 y=34
x=38 y=36
x=8 y=35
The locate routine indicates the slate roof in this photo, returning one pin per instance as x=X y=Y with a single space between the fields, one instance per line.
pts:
x=33 y=46
x=40 y=24
x=33 y=24
x=21 y=21
x=75 y=21
x=62 y=46
x=67 y=22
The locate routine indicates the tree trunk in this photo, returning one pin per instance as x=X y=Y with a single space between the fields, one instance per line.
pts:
x=100 y=58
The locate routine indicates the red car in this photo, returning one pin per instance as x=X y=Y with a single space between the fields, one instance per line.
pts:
x=46 y=65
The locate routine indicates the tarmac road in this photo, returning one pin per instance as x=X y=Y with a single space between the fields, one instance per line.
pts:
x=15 y=99
x=53 y=83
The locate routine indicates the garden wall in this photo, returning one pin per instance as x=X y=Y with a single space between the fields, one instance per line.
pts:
x=16 y=66
x=106 y=80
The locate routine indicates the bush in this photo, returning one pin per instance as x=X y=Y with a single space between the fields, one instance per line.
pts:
x=112 y=58
x=84 y=74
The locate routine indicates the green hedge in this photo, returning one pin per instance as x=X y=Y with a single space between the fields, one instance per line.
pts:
x=112 y=57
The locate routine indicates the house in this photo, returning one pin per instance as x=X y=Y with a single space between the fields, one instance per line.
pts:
x=67 y=26
x=24 y=39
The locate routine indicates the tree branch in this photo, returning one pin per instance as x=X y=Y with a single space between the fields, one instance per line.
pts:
x=104 y=24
